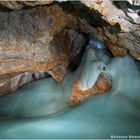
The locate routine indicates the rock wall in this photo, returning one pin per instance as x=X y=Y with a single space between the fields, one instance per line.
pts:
x=38 y=39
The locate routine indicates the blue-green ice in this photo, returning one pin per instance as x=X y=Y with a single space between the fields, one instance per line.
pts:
x=42 y=109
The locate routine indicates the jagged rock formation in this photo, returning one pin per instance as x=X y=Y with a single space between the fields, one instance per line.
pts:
x=115 y=22
x=117 y=13
x=122 y=44
x=123 y=13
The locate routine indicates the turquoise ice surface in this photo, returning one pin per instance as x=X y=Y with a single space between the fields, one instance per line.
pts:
x=100 y=116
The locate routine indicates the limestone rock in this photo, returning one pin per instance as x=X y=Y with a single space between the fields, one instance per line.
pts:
x=122 y=44
x=38 y=39
x=11 y=82
x=16 y=5
x=113 y=23
x=127 y=18
x=102 y=85
x=120 y=12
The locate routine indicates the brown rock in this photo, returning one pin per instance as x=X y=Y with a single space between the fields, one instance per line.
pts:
x=16 y=5
x=11 y=82
x=37 y=39
x=122 y=44
x=102 y=85
x=112 y=14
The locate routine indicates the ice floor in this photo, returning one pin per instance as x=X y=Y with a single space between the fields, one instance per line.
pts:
x=47 y=115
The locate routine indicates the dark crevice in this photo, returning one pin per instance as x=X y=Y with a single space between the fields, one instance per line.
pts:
x=93 y=17
x=4 y=8
x=75 y=61
x=125 y=5
x=77 y=9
